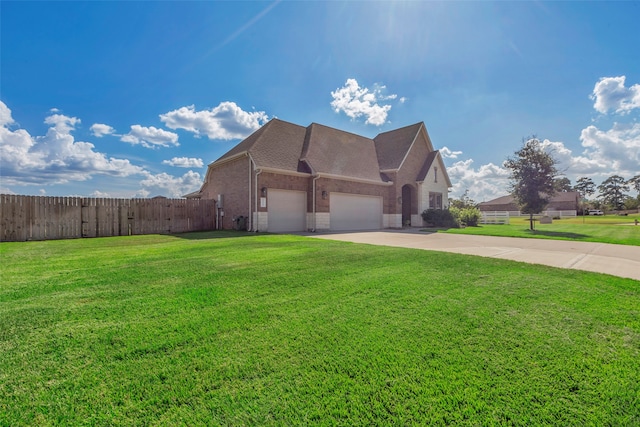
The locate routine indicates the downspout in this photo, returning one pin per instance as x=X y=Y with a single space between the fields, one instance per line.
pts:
x=250 y=226
x=314 y=203
x=258 y=172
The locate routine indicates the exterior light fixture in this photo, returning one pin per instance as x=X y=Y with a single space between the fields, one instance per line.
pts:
x=324 y=195
x=263 y=191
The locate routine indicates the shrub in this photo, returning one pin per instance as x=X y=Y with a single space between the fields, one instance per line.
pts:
x=469 y=216
x=440 y=218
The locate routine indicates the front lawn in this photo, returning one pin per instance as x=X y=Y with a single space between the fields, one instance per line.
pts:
x=237 y=329
x=604 y=229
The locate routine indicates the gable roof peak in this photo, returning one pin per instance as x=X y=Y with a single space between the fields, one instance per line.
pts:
x=393 y=146
x=408 y=128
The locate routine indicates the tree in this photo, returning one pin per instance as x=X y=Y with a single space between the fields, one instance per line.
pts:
x=562 y=184
x=585 y=187
x=533 y=171
x=635 y=184
x=464 y=202
x=612 y=191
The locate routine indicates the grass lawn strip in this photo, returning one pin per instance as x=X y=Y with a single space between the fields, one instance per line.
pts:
x=603 y=229
x=273 y=330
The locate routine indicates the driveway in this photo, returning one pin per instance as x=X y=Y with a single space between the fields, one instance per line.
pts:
x=617 y=260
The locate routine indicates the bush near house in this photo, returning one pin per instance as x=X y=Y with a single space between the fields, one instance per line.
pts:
x=443 y=218
x=467 y=216
x=452 y=217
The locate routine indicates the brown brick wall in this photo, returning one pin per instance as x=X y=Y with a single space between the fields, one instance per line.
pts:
x=285 y=182
x=409 y=172
x=339 y=186
x=230 y=179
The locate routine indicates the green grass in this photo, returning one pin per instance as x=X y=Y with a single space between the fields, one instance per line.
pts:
x=604 y=229
x=227 y=329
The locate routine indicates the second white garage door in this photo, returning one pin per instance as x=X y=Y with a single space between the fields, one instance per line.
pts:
x=355 y=212
x=287 y=211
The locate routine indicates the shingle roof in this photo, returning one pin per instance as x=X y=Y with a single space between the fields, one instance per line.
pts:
x=277 y=145
x=332 y=151
x=392 y=146
x=322 y=149
x=426 y=166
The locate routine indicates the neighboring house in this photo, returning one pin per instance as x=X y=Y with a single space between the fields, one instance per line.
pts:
x=286 y=177
x=563 y=201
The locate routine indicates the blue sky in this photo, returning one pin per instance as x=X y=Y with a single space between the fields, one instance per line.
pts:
x=130 y=99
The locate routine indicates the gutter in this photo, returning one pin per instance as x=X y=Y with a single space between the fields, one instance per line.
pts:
x=251 y=162
x=254 y=227
x=314 y=203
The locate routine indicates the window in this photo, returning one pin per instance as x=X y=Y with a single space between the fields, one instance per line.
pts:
x=435 y=200
x=435 y=174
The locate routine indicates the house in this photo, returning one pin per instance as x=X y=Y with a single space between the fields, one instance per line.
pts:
x=285 y=177
x=563 y=201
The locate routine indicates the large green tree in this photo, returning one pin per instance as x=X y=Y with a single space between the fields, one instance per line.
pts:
x=562 y=184
x=585 y=186
x=635 y=184
x=612 y=191
x=533 y=173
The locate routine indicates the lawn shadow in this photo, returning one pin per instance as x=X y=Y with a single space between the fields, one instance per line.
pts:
x=216 y=234
x=559 y=234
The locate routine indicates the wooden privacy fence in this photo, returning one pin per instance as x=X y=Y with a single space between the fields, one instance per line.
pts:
x=46 y=218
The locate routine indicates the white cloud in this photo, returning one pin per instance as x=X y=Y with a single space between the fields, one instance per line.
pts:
x=226 y=121
x=356 y=101
x=184 y=162
x=61 y=123
x=55 y=157
x=485 y=183
x=5 y=115
x=99 y=130
x=100 y=194
x=448 y=154
x=617 y=149
x=150 y=137
x=175 y=186
x=606 y=152
x=610 y=94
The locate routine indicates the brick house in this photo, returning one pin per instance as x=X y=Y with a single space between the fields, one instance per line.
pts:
x=286 y=177
x=562 y=201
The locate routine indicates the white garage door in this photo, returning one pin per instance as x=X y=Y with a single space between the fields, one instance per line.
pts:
x=287 y=211
x=355 y=212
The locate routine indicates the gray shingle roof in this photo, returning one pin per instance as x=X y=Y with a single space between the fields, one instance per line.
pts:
x=392 y=146
x=425 y=167
x=277 y=145
x=322 y=149
x=332 y=151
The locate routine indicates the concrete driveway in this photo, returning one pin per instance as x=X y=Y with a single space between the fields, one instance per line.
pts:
x=617 y=260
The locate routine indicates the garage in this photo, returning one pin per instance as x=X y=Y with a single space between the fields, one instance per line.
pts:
x=355 y=212
x=287 y=211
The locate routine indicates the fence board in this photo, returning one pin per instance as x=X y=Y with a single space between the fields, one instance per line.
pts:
x=44 y=218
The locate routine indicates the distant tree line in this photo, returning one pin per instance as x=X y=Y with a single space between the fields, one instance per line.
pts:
x=534 y=180
x=613 y=193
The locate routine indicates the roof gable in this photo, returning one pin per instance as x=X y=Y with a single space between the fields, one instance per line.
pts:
x=276 y=145
x=392 y=147
x=433 y=157
x=335 y=152
x=319 y=149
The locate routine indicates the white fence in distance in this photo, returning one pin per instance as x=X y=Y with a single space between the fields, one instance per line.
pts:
x=502 y=217
x=494 y=217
